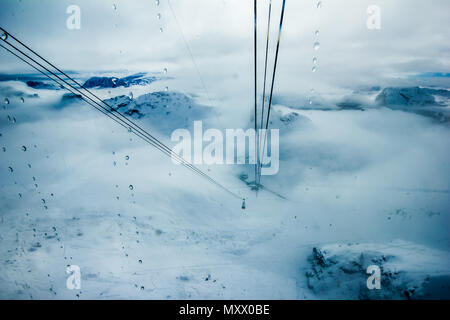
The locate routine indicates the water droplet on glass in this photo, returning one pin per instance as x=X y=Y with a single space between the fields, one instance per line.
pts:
x=4 y=35
x=114 y=6
x=24 y=148
x=159 y=16
x=165 y=71
x=43 y=200
x=131 y=187
x=4 y=149
x=166 y=89
x=314 y=60
x=140 y=261
x=131 y=95
x=310 y=101
x=319 y=4
x=10 y=169
x=157 y=2
x=314 y=69
x=316 y=46
x=114 y=81
x=161 y=30
x=6 y=101
x=316 y=33
x=127 y=157
x=22 y=99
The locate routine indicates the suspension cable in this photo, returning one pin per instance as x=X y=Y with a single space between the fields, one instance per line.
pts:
x=256 y=90
x=109 y=111
x=265 y=77
x=273 y=81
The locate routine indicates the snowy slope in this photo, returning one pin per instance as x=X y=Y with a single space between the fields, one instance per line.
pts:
x=163 y=111
x=408 y=271
x=87 y=192
x=113 y=82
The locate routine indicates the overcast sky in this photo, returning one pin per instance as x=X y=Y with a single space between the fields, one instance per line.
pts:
x=413 y=39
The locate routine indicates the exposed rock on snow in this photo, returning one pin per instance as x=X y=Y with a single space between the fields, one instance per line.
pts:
x=70 y=97
x=356 y=101
x=414 y=96
x=424 y=101
x=113 y=82
x=42 y=85
x=350 y=105
x=408 y=271
x=282 y=121
x=289 y=118
x=165 y=111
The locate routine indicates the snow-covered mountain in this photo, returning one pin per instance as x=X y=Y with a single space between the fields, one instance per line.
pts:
x=414 y=96
x=42 y=85
x=408 y=271
x=76 y=188
x=38 y=81
x=163 y=110
x=114 y=82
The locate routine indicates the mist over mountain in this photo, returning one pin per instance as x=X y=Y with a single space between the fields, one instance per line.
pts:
x=88 y=192
x=363 y=183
